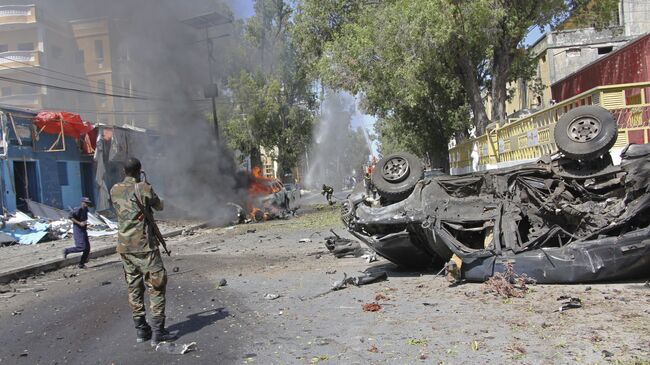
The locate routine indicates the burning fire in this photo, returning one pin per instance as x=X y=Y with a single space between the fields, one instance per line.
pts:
x=258 y=187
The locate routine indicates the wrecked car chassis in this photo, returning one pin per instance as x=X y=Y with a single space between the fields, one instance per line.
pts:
x=554 y=225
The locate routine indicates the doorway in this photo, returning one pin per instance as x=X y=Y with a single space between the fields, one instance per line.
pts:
x=87 y=180
x=26 y=184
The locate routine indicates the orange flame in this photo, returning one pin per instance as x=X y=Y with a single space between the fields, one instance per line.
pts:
x=260 y=185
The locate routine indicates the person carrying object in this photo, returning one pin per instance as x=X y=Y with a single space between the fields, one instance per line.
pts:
x=79 y=217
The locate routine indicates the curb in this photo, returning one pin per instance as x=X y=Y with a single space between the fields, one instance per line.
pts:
x=58 y=263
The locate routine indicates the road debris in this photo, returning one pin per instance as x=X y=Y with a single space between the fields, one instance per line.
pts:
x=381 y=296
x=371 y=307
x=304 y=240
x=104 y=283
x=569 y=303
x=508 y=284
x=367 y=278
x=175 y=269
x=222 y=282
x=175 y=348
x=373 y=349
x=17 y=312
x=342 y=247
x=271 y=296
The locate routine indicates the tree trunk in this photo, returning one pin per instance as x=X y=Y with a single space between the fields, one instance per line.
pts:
x=499 y=87
x=473 y=90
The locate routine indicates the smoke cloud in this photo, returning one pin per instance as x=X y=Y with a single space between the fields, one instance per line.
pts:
x=191 y=170
x=338 y=151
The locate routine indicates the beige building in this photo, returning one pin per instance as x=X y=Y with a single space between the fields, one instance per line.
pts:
x=569 y=48
x=31 y=45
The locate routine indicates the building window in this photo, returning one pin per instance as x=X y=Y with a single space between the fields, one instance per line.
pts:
x=4 y=48
x=605 y=50
x=57 y=52
x=62 y=168
x=79 y=57
x=6 y=91
x=101 y=86
x=29 y=46
x=99 y=50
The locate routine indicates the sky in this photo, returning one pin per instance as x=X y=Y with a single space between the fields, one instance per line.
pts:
x=242 y=8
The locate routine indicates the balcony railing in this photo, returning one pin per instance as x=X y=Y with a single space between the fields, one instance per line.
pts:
x=12 y=14
x=15 y=59
x=530 y=137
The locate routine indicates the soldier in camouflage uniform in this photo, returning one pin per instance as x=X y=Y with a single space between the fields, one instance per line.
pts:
x=143 y=265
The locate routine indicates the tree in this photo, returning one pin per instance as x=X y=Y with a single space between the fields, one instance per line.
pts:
x=386 y=48
x=273 y=100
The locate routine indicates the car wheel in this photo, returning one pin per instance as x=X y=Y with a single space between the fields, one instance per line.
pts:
x=585 y=133
x=396 y=175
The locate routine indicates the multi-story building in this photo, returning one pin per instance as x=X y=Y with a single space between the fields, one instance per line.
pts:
x=569 y=47
x=32 y=44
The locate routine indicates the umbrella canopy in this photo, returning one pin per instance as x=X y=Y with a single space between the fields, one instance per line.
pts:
x=51 y=121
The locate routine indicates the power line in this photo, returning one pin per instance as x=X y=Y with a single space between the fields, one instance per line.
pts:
x=49 y=77
x=63 y=88
x=69 y=75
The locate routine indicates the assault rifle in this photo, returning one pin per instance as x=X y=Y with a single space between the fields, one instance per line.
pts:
x=148 y=217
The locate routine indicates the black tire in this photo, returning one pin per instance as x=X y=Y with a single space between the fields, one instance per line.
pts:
x=396 y=175
x=586 y=132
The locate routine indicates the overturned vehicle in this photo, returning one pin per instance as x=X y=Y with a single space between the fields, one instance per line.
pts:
x=569 y=218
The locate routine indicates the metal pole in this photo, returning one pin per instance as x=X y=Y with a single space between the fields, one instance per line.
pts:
x=214 y=102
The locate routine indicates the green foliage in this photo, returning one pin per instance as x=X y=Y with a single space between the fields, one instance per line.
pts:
x=272 y=96
x=422 y=65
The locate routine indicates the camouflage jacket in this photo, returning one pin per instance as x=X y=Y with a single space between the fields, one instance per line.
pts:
x=133 y=234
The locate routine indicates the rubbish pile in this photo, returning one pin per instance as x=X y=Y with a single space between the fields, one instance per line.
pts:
x=49 y=224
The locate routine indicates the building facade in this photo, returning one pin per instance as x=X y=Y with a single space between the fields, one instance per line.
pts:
x=34 y=49
x=569 y=48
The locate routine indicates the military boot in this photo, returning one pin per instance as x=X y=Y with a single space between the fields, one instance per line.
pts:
x=142 y=328
x=160 y=334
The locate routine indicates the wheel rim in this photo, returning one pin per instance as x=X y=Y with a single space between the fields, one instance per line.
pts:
x=583 y=129
x=395 y=169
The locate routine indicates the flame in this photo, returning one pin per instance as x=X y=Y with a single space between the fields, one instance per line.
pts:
x=260 y=186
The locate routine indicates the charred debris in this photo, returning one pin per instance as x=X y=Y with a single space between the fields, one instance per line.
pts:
x=560 y=220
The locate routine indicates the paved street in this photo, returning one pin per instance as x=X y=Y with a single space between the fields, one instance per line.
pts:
x=81 y=317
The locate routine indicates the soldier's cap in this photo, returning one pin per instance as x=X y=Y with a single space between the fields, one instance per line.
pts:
x=86 y=200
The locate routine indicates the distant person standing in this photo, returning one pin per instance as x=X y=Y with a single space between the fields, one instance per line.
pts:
x=79 y=217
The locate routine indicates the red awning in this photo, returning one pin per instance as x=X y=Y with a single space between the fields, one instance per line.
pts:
x=50 y=122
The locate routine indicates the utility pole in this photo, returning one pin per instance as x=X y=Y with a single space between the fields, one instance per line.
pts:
x=205 y=22
x=214 y=92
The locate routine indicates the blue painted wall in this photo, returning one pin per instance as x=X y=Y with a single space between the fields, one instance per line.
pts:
x=50 y=189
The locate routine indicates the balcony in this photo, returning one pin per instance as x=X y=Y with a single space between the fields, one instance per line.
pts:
x=17 y=14
x=18 y=59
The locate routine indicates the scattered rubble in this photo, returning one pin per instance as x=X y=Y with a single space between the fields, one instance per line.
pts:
x=371 y=307
x=176 y=348
x=271 y=296
x=367 y=278
x=508 y=284
x=569 y=303
x=50 y=224
x=342 y=247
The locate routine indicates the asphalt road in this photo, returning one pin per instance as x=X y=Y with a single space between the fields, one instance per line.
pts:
x=85 y=319
x=73 y=316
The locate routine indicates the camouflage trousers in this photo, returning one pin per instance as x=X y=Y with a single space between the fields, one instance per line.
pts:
x=145 y=269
